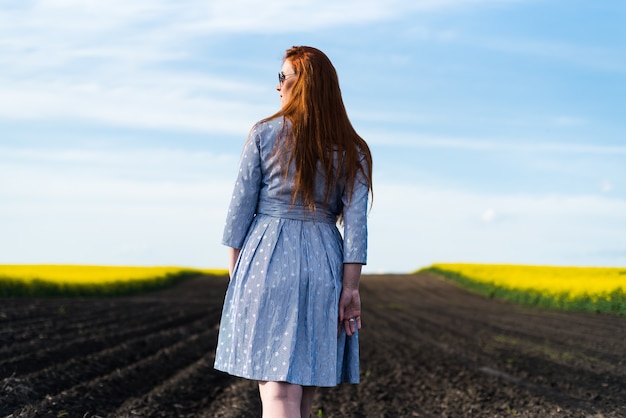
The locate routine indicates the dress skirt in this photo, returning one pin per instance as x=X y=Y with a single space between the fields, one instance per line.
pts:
x=280 y=316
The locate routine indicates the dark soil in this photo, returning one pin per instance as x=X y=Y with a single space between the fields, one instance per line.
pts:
x=428 y=349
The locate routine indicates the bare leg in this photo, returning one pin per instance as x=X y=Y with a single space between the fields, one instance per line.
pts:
x=280 y=399
x=307 y=401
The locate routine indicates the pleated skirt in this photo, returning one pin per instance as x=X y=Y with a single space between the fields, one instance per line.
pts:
x=280 y=315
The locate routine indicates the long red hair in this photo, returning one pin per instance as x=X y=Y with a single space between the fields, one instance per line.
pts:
x=320 y=127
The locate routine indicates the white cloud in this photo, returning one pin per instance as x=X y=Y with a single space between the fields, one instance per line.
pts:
x=414 y=226
x=488 y=215
x=569 y=121
x=155 y=103
x=132 y=207
x=168 y=207
x=98 y=61
x=136 y=158
x=602 y=58
x=59 y=19
x=129 y=172
x=496 y=144
x=606 y=186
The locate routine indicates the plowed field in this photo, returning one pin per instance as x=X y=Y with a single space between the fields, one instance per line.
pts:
x=428 y=348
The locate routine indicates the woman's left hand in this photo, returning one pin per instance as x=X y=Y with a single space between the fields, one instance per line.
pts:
x=350 y=310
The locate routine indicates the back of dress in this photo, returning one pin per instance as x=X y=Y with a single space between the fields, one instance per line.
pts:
x=288 y=277
x=276 y=192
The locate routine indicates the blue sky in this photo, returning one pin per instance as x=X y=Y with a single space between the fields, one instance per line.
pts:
x=496 y=127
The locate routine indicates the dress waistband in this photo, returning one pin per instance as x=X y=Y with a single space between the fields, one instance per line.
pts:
x=295 y=212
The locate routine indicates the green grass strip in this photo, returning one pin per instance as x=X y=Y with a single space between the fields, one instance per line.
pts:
x=12 y=287
x=614 y=302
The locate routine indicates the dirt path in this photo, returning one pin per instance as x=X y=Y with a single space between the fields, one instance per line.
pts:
x=429 y=348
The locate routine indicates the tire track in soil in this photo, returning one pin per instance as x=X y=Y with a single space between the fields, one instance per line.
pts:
x=69 y=323
x=598 y=333
x=87 y=343
x=60 y=376
x=568 y=384
x=133 y=380
x=428 y=348
x=135 y=344
x=238 y=399
x=197 y=384
x=505 y=333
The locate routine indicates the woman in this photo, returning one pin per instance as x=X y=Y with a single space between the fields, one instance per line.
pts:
x=292 y=309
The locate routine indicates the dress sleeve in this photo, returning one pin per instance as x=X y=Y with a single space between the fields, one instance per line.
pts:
x=243 y=203
x=355 y=221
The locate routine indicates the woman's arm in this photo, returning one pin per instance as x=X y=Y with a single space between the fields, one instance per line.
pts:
x=350 y=300
x=245 y=195
x=354 y=253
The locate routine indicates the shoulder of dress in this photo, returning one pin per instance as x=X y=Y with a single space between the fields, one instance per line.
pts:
x=266 y=131
x=268 y=125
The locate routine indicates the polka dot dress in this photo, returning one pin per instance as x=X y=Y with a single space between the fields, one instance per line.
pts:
x=280 y=315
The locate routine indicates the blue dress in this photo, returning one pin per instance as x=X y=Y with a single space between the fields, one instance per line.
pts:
x=280 y=315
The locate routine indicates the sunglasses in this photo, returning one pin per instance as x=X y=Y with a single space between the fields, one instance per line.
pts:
x=282 y=77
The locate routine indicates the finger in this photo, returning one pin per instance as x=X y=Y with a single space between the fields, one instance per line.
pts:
x=347 y=327
x=358 y=322
x=350 y=325
x=340 y=321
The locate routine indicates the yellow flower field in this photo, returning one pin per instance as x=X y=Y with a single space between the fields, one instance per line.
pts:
x=88 y=280
x=89 y=274
x=580 y=288
x=575 y=281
